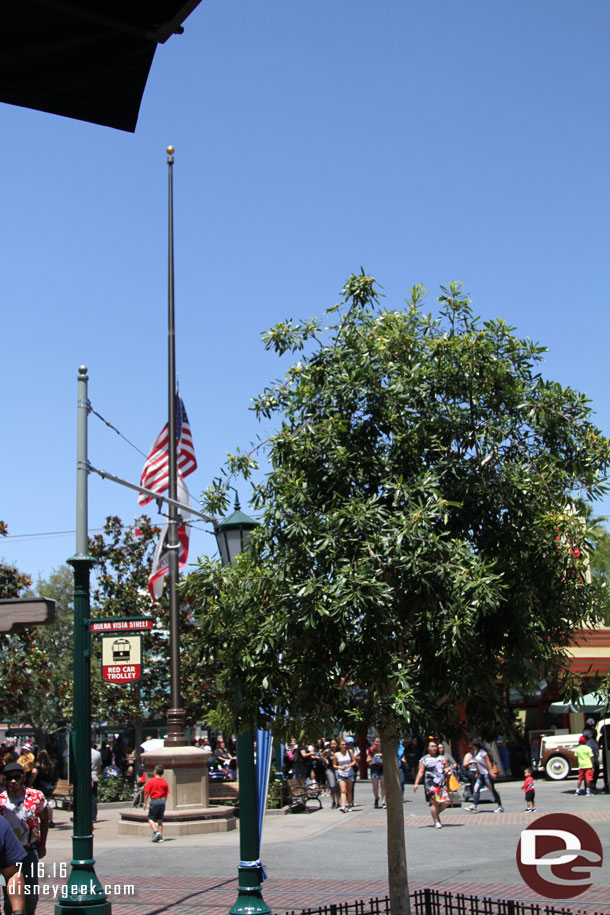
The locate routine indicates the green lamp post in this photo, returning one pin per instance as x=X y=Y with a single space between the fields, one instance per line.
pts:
x=83 y=894
x=232 y=535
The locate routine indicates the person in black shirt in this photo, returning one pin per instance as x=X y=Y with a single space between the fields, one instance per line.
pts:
x=11 y=852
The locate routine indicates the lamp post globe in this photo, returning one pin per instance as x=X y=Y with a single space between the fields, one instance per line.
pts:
x=233 y=533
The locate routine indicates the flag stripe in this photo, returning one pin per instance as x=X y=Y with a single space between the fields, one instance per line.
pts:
x=155 y=473
x=160 y=564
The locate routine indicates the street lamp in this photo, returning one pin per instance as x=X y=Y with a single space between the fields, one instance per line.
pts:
x=232 y=536
x=233 y=533
x=83 y=892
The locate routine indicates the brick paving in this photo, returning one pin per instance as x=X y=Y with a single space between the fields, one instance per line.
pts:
x=188 y=894
x=366 y=820
x=216 y=895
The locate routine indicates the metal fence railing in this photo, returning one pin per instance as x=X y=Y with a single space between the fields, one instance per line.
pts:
x=435 y=902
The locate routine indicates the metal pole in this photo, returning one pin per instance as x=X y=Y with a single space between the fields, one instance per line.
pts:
x=249 y=872
x=154 y=495
x=175 y=715
x=83 y=891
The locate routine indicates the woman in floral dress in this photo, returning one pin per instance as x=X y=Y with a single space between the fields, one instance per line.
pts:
x=434 y=769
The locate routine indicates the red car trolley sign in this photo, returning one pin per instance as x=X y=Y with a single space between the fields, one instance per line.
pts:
x=121 y=658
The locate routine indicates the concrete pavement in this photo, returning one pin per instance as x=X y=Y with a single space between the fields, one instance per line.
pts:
x=326 y=856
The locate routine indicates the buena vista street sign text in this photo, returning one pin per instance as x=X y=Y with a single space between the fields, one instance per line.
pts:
x=124 y=624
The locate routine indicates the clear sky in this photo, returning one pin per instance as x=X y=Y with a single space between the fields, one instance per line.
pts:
x=426 y=142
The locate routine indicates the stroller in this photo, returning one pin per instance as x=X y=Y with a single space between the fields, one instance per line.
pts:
x=217 y=772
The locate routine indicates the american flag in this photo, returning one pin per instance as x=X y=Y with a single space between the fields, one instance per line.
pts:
x=160 y=564
x=155 y=474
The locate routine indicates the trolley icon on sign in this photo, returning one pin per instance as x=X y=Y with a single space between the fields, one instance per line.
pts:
x=121 y=650
x=121 y=658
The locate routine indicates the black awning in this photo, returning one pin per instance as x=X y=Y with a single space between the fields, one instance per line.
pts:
x=84 y=59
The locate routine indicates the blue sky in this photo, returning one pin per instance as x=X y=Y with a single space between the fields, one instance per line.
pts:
x=426 y=142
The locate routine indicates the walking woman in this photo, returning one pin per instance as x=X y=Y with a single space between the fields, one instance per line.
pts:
x=484 y=777
x=374 y=760
x=344 y=765
x=434 y=770
x=331 y=775
x=46 y=780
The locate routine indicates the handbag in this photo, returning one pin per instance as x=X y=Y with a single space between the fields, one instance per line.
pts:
x=494 y=771
x=453 y=784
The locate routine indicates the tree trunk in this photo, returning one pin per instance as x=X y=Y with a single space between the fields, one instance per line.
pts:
x=397 y=856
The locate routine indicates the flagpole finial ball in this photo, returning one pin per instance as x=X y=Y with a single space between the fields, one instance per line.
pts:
x=82 y=370
x=170 y=150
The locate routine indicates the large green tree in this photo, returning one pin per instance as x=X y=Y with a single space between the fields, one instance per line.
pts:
x=12 y=581
x=419 y=549
x=37 y=663
x=47 y=708
x=600 y=555
x=19 y=654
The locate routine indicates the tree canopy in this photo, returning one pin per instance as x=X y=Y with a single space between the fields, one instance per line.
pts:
x=48 y=707
x=421 y=545
x=23 y=664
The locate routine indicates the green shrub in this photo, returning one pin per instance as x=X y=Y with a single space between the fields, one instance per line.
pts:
x=110 y=790
x=274 y=796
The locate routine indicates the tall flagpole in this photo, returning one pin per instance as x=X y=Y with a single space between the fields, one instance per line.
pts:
x=175 y=715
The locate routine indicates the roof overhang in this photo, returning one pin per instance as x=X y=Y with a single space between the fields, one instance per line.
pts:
x=84 y=59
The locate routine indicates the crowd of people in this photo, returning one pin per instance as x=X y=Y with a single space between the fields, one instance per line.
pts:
x=333 y=764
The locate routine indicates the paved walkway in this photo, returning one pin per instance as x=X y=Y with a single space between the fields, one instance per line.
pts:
x=324 y=857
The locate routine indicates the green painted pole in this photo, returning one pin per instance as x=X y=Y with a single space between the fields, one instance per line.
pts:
x=232 y=536
x=249 y=872
x=83 y=893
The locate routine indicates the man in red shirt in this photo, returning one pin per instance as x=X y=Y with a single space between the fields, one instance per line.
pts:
x=157 y=789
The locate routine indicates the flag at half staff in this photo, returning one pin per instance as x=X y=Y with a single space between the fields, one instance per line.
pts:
x=155 y=474
x=160 y=564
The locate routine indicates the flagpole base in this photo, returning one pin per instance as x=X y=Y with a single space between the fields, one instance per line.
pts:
x=175 y=728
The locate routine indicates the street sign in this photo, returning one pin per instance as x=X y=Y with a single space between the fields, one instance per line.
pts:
x=121 y=624
x=121 y=658
x=17 y=613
